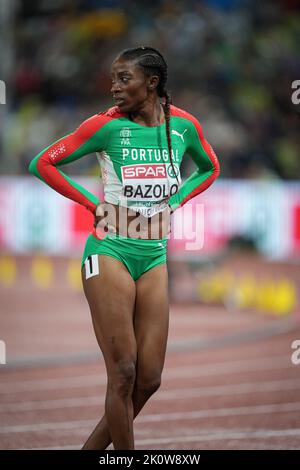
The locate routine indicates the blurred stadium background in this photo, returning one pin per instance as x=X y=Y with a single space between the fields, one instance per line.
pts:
x=231 y=64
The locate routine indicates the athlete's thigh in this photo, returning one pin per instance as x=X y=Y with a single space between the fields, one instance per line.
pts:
x=151 y=320
x=111 y=297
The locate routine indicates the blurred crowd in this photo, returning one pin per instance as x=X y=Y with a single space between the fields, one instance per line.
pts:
x=231 y=64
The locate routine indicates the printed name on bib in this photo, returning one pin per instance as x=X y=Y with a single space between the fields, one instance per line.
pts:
x=145 y=182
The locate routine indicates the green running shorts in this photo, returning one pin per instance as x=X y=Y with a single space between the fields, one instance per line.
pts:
x=138 y=255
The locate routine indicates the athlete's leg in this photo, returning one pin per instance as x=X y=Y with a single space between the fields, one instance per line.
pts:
x=151 y=324
x=111 y=297
x=151 y=330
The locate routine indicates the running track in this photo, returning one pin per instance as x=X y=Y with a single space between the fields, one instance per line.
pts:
x=228 y=382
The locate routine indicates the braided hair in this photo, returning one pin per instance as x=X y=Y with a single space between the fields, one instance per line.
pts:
x=153 y=63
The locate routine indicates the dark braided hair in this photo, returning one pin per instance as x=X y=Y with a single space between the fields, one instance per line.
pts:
x=153 y=63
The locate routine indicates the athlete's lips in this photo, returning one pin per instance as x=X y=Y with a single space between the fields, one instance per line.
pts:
x=118 y=100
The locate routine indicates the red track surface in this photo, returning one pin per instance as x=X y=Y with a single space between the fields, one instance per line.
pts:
x=228 y=382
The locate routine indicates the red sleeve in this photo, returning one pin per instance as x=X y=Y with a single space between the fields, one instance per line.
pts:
x=88 y=138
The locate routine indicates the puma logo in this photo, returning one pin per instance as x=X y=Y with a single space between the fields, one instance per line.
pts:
x=178 y=134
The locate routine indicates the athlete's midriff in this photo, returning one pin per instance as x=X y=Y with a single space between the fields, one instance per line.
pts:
x=127 y=223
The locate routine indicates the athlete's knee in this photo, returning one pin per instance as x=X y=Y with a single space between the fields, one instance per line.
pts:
x=148 y=383
x=122 y=378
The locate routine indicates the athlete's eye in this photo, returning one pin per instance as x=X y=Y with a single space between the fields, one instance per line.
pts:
x=120 y=79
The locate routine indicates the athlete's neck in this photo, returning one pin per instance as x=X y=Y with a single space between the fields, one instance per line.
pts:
x=150 y=115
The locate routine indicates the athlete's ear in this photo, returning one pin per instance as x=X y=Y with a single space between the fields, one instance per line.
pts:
x=153 y=81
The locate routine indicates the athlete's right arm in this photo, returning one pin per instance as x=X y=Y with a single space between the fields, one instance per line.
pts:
x=89 y=137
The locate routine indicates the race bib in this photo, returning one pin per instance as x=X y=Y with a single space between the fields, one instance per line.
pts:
x=148 y=184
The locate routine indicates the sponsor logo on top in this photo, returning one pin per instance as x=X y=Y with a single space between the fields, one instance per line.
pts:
x=174 y=132
x=144 y=171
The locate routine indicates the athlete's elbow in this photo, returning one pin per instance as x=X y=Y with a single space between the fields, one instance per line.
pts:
x=214 y=172
x=32 y=167
x=216 y=169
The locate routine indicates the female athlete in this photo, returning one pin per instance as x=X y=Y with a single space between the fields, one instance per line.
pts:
x=139 y=143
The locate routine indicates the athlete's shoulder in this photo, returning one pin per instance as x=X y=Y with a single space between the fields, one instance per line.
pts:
x=184 y=114
x=94 y=123
x=190 y=120
x=112 y=113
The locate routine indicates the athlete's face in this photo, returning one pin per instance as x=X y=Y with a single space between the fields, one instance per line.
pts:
x=131 y=88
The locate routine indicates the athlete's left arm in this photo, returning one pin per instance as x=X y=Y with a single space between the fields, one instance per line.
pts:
x=205 y=159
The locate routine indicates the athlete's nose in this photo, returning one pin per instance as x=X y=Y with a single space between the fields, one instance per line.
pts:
x=115 y=88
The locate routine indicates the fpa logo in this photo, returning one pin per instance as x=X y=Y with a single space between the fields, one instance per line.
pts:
x=2 y=92
x=125 y=134
x=2 y=352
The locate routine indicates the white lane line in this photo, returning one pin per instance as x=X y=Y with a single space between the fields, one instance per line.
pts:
x=163 y=395
x=160 y=417
x=223 y=436
x=55 y=426
x=214 y=413
x=55 y=404
x=174 y=373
